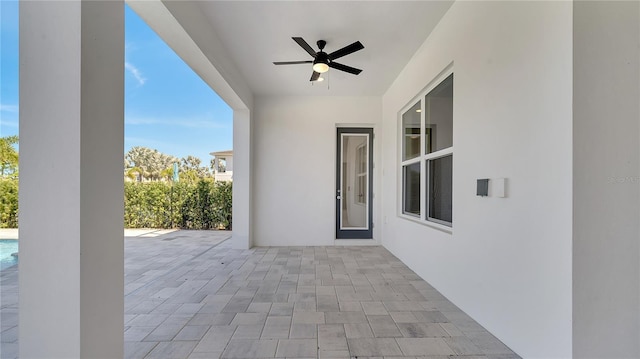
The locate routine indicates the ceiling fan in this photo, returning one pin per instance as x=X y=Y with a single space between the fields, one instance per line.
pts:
x=323 y=61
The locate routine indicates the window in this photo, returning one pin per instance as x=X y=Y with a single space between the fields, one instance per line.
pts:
x=427 y=156
x=222 y=165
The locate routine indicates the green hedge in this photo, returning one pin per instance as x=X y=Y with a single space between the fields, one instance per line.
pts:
x=8 y=203
x=202 y=205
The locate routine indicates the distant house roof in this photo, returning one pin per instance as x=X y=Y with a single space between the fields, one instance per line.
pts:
x=222 y=153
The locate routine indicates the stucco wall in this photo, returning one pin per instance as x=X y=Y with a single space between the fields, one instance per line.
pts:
x=294 y=166
x=507 y=262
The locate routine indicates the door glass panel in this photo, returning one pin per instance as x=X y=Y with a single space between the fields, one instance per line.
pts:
x=355 y=181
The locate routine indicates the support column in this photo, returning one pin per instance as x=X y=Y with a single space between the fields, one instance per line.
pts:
x=606 y=176
x=242 y=206
x=71 y=181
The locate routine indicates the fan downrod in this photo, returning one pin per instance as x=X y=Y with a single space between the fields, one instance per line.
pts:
x=321 y=44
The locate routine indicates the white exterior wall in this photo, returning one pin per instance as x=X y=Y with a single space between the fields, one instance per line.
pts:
x=295 y=166
x=229 y=164
x=508 y=261
x=606 y=277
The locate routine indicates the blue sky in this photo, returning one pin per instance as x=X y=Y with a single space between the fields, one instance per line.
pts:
x=167 y=106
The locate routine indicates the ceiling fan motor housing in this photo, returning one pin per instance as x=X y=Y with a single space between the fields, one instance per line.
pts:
x=321 y=57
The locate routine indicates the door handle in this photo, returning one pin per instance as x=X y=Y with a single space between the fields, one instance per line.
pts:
x=338 y=197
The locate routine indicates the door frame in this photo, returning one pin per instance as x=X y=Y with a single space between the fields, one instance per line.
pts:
x=353 y=233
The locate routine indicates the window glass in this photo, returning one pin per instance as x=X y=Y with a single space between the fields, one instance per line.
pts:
x=361 y=159
x=361 y=189
x=411 y=202
x=440 y=189
x=411 y=132
x=439 y=116
x=361 y=174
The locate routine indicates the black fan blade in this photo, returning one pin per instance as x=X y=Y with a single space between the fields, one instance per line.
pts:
x=356 y=46
x=345 y=68
x=305 y=46
x=292 y=62
x=314 y=76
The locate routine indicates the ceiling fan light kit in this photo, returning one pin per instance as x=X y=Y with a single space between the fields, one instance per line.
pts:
x=323 y=61
x=320 y=67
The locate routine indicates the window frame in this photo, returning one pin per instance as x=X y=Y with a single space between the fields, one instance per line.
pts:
x=422 y=159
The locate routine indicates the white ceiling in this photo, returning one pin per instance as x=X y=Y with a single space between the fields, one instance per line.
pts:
x=257 y=33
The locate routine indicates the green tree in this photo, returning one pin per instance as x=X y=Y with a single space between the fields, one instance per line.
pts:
x=189 y=176
x=167 y=174
x=8 y=157
x=134 y=173
x=192 y=165
x=148 y=163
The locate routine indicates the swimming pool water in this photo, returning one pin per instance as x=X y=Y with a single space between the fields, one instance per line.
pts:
x=7 y=247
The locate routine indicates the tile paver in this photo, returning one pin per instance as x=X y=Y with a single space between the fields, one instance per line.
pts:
x=424 y=346
x=383 y=326
x=362 y=330
x=303 y=331
x=309 y=317
x=374 y=347
x=189 y=294
x=248 y=348
x=422 y=330
x=248 y=332
x=296 y=348
x=192 y=332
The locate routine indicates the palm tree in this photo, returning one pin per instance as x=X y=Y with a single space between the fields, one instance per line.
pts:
x=134 y=173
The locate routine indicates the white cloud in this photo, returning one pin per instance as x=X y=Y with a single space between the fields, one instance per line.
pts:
x=182 y=122
x=135 y=72
x=9 y=108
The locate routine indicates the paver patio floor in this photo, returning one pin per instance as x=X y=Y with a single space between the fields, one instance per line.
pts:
x=188 y=294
